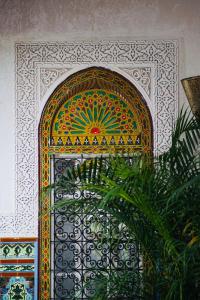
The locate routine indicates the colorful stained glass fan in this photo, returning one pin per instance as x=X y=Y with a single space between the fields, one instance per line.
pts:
x=95 y=113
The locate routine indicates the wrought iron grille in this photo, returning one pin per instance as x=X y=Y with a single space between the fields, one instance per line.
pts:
x=78 y=250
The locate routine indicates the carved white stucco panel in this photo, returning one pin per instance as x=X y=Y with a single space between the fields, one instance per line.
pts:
x=151 y=64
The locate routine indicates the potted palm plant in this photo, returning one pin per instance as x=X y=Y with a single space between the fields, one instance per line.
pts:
x=158 y=201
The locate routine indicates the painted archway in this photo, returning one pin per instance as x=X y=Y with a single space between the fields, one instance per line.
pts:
x=94 y=111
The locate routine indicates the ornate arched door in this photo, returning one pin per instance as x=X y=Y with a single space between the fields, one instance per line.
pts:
x=94 y=111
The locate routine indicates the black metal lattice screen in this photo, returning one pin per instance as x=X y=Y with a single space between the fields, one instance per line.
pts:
x=83 y=244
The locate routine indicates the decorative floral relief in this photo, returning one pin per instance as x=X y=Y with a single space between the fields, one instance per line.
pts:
x=29 y=56
x=48 y=76
x=142 y=76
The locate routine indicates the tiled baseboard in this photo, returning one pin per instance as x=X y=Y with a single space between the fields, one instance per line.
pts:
x=18 y=268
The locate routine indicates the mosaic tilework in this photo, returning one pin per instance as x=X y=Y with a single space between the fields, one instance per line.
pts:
x=22 y=267
x=18 y=288
x=16 y=250
x=18 y=269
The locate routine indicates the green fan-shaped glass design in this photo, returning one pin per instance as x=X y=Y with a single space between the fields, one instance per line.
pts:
x=95 y=112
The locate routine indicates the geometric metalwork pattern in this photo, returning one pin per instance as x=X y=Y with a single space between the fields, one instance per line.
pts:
x=94 y=111
x=77 y=250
